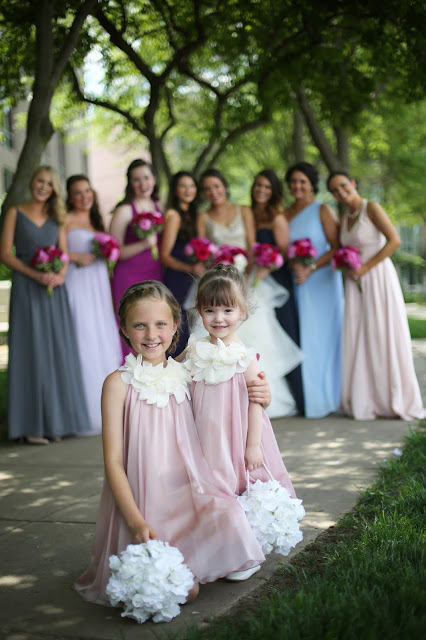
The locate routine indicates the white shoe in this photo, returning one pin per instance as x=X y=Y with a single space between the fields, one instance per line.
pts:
x=36 y=440
x=240 y=576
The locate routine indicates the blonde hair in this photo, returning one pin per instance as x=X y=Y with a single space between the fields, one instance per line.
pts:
x=149 y=290
x=55 y=205
x=222 y=286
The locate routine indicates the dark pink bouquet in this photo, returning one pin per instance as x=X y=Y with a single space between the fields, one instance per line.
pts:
x=267 y=255
x=50 y=260
x=345 y=259
x=230 y=254
x=146 y=224
x=200 y=250
x=107 y=248
x=302 y=251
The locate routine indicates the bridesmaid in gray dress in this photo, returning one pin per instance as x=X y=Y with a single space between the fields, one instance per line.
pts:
x=45 y=397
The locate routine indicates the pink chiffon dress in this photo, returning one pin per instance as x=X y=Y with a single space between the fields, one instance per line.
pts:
x=171 y=483
x=140 y=267
x=378 y=377
x=220 y=404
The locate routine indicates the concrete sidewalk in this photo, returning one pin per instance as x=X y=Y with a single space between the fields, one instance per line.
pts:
x=49 y=497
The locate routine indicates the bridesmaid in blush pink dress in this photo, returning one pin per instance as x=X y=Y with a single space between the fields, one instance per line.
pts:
x=136 y=262
x=378 y=377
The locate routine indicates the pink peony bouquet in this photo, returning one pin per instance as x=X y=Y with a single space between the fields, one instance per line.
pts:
x=146 y=224
x=200 y=250
x=345 y=259
x=107 y=248
x=50 y=260
x=266 y=255
x=230 y=254
x=302 y=251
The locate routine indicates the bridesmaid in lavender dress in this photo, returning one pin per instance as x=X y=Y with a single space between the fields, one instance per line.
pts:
x=136 y=262
x=89 y=293
x=378 y=377
x=179 y=229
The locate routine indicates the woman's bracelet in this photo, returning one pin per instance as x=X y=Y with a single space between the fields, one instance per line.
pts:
x=313 y=266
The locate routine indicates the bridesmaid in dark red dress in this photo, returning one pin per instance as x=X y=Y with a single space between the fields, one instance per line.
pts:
x=136 y=262
x=179 y=229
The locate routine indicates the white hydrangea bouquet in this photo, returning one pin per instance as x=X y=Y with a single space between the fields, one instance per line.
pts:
x=150 y=580
x=273 y=515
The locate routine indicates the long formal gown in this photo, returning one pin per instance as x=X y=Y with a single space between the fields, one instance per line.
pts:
x=45 y=391
x=278 y=354
x=140 y=267
x=221 y=406
x=179 y=284
x=378 y=372
x=99 y=349
x=288 y=317
x=320 y=306
x=171 y=484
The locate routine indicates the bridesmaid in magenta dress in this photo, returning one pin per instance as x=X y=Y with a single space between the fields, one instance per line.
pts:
x=179 y=228
x=136 y=262
x=378 y=376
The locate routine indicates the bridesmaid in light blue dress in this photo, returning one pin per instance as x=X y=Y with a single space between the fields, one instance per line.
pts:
x=89 y=293
x=318 y=291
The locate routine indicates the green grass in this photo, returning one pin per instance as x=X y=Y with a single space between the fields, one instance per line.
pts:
x=364 y=579
x=417 y=327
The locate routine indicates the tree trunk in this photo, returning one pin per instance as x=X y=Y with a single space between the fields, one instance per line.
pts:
x=297 y=144
x=317 y=134
x=343 y=143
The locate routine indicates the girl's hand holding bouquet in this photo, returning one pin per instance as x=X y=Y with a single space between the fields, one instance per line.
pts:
x=107 y=248
x=348 y=260
x=51 y=260
x=229 y=254
x=146 y=224
x=266 y=256
x=200 y=251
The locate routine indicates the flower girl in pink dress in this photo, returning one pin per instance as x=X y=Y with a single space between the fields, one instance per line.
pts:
x=236 y=434
x=158 y=484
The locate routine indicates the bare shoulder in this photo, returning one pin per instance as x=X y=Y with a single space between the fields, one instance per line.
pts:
x=326 y=212
x=171 y=215
x=122 y=211
x=114 y=385
x=374 y=209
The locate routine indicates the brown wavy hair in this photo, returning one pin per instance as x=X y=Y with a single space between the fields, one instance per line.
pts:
x=95 y=214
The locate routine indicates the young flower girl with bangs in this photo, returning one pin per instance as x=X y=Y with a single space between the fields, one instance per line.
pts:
x=158 y=484
x=236 y=434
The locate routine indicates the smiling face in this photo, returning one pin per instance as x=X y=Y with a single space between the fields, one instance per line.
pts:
x=222 y=322
x=300 y=186
x=142 y=182
x=343 y=189
x=214 y=190
x=149 y=326
x=42 y=186
x=81 y=195
x=186 y=191
x=262 y=191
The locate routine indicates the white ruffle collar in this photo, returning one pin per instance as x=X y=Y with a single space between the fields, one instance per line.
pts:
x=155 y=384
x=215 y=363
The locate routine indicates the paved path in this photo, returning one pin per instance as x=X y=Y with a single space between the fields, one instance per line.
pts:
x=48 y=504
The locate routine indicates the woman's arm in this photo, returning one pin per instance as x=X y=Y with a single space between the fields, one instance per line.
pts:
x=250 y=226
x=6 y=254
x=380 y=219
x=253 y=454
x=331 y=228
x=201 y=224
x=281 y=232
x=172 y=224
x=259 y=390
x=119 y=223
x=112 y=402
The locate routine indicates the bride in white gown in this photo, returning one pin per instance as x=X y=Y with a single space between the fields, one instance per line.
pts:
x=227 y=223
